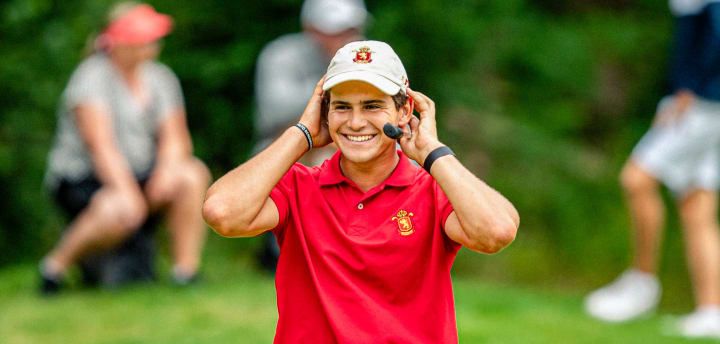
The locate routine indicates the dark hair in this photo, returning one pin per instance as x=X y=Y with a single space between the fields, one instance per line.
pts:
x=399 y=99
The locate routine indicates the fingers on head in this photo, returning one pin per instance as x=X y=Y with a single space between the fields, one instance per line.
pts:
x=319 y=86
x=422 y=102
x=414 y=123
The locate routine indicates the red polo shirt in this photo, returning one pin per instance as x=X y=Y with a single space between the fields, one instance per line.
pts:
x=363 y=267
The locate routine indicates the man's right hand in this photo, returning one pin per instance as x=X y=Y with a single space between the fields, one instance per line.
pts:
x=312 y=117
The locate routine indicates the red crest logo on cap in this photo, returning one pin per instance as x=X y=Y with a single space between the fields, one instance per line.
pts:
x=363 y=55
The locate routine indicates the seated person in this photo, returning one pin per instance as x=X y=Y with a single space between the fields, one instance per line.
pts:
x=122 y=151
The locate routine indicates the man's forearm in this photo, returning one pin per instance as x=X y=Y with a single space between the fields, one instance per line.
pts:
x=481 y=211
x=238 y=197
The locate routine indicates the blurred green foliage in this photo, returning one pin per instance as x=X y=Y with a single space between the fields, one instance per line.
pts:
x=544 y=99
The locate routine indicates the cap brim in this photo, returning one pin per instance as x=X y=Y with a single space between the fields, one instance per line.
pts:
x=157 y=27
x=141 y=25
x=380 y=82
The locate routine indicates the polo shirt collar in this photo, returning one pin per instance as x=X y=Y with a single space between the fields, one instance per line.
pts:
x=403 y=175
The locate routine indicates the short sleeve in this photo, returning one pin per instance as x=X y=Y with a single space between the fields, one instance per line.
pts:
x=88 y=84
x=281 y=195
x=444 y=208
x=167 y=91
x=281 y=202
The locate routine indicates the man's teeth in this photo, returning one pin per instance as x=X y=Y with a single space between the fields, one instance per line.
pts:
x=359 y=138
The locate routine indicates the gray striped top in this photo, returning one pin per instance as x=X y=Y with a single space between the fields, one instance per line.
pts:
x=135 y=125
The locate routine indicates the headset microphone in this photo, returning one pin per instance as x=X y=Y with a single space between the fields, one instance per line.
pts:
x=392 y=131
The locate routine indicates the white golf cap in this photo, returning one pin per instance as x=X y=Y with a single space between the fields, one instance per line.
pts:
x=334 y=16
x=373 y=62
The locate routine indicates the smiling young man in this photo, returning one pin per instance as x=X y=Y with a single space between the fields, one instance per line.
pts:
x=367 y=238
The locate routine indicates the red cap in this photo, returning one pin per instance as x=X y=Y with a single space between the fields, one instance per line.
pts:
x=140 y=25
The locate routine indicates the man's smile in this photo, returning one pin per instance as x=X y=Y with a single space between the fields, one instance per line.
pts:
x=359 y=138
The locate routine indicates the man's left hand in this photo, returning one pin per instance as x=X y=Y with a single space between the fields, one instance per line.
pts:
x=420 y=135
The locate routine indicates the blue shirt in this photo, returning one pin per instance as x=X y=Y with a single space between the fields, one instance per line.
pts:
x=695 y=59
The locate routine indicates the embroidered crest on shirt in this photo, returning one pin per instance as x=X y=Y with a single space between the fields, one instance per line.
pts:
x=405 y=225
x=363 y=55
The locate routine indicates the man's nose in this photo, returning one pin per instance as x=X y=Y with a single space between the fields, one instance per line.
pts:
x=357 y=120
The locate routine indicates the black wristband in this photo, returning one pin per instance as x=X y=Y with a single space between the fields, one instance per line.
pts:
x=436 y=154
x=308 y=137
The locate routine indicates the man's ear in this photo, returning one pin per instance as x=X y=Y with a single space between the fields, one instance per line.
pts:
x=405 y=113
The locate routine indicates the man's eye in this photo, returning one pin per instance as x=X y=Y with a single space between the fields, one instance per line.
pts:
x=372 y=107
x=341 y=107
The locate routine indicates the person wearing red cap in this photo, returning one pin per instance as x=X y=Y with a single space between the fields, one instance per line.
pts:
x=123 y=151
x=367 y=239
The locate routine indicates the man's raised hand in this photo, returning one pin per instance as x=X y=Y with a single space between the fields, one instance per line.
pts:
x=312 y=117
x=420 y=136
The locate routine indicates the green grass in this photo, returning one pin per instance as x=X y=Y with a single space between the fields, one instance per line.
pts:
x=236 y=304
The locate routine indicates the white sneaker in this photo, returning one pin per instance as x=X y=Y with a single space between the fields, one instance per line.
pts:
x=703 y=323
x=633 y=294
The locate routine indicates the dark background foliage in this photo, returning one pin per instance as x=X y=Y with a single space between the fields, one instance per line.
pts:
x=544 y=99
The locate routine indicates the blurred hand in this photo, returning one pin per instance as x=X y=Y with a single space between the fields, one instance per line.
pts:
x=671 y=114
x=312 y=117
x=127 y=202
x=160 y=188
x=420 y=135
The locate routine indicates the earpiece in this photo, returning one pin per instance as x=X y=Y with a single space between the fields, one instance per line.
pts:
x=392 y=131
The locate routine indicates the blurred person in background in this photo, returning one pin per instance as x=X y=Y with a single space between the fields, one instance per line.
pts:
x=287 y=70
x=367 y=238
x=682 y=152
x=122 y=151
